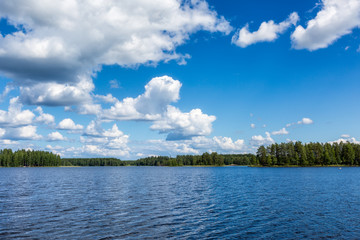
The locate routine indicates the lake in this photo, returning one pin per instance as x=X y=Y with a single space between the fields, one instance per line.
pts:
x=179 y=203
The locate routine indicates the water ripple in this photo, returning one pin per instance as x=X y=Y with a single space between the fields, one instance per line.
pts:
x=179 y=203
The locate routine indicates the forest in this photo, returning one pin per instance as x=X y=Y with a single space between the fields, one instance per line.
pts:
x=28 y=158
x=310 y=154
x=283 y=154
x=82 y=162
x=206 y=159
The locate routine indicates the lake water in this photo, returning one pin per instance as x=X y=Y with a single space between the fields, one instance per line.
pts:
x=179 y=203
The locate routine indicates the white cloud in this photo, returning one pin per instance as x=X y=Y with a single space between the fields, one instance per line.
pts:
x=159 y=93
x=56 y=149
x=100 y=151
x=304 y=121
x=345 y=135
x=68 y=124
x=282 y=131
x=267 y=32
x=89 y=109
x=8 y=142
x=346 y=139
x=58 y=41
x=111 y=142
x=260 y=140
x=108 y=98
x=252 y=125
x=166 y=148
x=22 y=133
x=93 y=129
x=56 y=136
x=226 y=143
x=181 y=125
x=114 y=132
x=15 y=116
x=18 y=124
x=335 y=19
x=195 y=145
x=154 y=105
x=125 y=110
x=44 y=117
x=55 y=94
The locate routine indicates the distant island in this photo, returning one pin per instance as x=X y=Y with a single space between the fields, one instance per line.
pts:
x=283 y=154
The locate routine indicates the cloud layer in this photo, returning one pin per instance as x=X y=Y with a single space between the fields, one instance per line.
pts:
x=58 y=44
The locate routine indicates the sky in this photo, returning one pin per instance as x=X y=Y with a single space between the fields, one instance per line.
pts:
x=131 y=79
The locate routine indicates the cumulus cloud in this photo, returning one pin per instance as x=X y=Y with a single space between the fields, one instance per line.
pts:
x=282 y=131
x=21 y=133
x=252 y=125
x=159 y=93
x=15 y=116
x=154 y=105
x=44 y=117
x=68 y=124
x=18 y=124
x=345 y=135
x=227 y=144
x=267 y=32
x=102 y=142
x=335 y=19
x=56 y=136
x=57 y=41
x=260 y=140
x=181 y=125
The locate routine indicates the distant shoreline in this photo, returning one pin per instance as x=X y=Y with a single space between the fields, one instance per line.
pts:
x=207 y=166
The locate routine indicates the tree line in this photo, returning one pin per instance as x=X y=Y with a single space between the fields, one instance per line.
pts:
x=283 y=154
x=310 y=154
x=28 y=158
x=82 y=162
x=206 y=159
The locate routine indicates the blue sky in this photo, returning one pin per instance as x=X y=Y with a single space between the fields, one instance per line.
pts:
x=134 y=79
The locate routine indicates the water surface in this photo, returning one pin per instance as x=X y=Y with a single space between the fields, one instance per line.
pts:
x=179 y=202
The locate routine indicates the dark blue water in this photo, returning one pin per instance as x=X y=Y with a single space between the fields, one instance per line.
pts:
x=181 y=203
